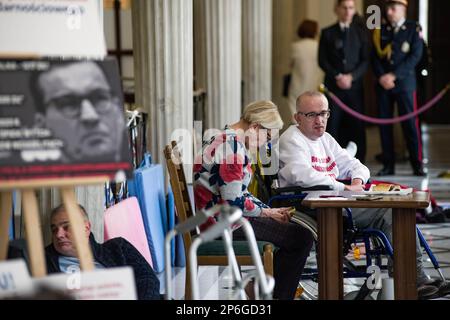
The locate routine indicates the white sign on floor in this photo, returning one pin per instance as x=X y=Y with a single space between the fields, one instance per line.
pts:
x=14 y=279
x=107 y=284
x=52 y=28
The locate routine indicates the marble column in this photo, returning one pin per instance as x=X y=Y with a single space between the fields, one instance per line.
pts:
x=218 y=56
x=163 y=65
x=256 y=50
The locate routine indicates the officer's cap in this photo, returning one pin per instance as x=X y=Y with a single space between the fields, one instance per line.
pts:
x=403 y=2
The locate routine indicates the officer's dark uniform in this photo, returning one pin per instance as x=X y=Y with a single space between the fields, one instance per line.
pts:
x=344 y=52
x=406 y=52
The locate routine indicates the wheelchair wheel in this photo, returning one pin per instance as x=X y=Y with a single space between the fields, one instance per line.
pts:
x=307 y=222
x=308 y=288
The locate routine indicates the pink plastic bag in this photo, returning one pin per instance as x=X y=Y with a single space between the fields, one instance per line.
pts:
x=125 y=220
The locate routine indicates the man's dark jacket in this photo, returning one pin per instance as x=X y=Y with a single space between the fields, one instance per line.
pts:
x=117 y=252
x=342 y=57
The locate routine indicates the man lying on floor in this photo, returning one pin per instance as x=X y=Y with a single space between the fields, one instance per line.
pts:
x=61 y=254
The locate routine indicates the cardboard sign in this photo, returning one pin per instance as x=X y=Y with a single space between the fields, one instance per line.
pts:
x=52 y=28
x=14 y=279
x=61 y=119
x=108 y=284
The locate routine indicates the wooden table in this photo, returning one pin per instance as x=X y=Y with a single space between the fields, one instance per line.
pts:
x=330 y=242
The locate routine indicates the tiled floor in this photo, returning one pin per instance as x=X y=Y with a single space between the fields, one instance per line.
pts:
x=214 y=281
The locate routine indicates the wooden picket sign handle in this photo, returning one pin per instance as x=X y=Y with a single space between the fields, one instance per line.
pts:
x=5 y=214
x=51 y=183
x=19 y=55
x=33 y=233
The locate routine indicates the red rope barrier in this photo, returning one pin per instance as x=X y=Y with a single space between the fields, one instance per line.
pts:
x=405 y=117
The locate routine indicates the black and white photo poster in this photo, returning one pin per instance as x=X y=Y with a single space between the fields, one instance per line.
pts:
x=61 y=119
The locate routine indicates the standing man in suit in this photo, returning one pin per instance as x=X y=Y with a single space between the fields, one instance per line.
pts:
x=344 y=57
x=398 y=48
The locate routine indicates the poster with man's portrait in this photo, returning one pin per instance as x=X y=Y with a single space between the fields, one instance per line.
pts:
x=61 y=119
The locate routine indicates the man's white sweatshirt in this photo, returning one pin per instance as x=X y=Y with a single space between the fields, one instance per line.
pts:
x=306 y=163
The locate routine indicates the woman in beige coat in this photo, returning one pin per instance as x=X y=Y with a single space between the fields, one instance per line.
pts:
x=306 y=73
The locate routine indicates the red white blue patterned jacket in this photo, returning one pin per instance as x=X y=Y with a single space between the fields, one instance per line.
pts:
x=222 y=173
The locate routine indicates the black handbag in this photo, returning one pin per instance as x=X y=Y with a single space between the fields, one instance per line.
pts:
x=286 y=84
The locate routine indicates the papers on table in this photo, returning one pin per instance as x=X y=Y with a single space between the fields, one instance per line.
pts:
x=402 y=192
x=329 y=199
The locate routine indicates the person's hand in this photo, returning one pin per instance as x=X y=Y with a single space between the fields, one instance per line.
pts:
x=340 y=82
x=383 y=82
x=347 y=80
x=354 y=188
x=344 y=81
x=279 y=214
x=357 y=185
x=387 y=81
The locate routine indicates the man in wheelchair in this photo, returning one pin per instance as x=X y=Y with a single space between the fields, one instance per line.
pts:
x=309 y=156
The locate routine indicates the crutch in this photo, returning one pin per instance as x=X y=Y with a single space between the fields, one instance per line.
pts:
x=228 y=217
x=264 y=282
x=187 y=226
x=227 y=237
x=239 y=282
x=190 y=225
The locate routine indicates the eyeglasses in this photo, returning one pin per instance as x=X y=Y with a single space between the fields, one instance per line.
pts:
x=310 y=116
x=70 y=105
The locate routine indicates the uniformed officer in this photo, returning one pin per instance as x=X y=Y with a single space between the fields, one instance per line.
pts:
x=397 y=50
x=344 y=57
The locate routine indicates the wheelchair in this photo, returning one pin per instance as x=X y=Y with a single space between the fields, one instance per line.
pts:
x=356 y=265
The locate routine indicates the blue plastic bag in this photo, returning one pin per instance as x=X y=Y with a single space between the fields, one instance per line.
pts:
x=148 y=186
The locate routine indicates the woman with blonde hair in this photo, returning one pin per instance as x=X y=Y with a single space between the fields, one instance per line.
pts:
x=222 y=174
